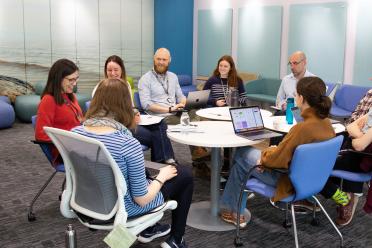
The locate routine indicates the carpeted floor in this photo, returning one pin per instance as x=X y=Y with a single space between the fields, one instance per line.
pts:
x=23 y=169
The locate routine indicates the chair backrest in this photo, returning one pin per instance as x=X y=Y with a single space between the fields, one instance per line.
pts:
x=312 y=165
x=95 y=185
x=348 y=96
x=137 y=101
x=44 y=147
x=184 y=80
x=266 y=86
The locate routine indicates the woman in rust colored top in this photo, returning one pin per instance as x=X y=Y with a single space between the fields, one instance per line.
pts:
x=314 y=106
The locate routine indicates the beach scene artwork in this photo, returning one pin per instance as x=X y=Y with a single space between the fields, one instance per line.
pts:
x=35 y=33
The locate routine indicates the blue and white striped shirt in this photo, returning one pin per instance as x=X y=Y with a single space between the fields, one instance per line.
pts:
x=127 y=152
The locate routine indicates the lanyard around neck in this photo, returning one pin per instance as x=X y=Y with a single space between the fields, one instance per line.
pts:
x=166 y=90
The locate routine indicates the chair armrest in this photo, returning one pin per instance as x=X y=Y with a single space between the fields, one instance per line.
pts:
x=282 y=171
x=351 y=151
x=40 y=142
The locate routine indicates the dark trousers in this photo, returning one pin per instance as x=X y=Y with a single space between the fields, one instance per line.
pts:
x=180 y=189
x=155 y=137
x=349 y=163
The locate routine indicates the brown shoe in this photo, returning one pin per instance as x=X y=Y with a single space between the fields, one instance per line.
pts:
x=346 y=213
x=229 y=217
x=200 y=154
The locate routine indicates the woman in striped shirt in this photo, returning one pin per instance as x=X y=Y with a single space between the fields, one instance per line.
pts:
x=224 y=79
x=108 y=120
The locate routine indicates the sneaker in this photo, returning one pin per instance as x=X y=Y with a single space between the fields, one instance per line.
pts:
x=153 y=232
x=171 y=243
x=305 y=204
x=231 y=218
x=346 y=213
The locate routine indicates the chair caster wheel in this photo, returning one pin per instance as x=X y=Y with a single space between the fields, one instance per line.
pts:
x=315 y=222
x=286 y=224
x=31 y=217
x=238 y=242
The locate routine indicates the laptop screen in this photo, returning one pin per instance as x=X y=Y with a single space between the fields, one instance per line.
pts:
x=246 y=119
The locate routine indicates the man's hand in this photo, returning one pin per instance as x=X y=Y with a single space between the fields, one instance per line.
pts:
x=284 y=106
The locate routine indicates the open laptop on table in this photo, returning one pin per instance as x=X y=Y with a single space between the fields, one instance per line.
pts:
x=248 y=123
x=196 y=100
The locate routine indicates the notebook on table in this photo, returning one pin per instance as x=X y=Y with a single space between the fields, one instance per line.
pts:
x=248 y=123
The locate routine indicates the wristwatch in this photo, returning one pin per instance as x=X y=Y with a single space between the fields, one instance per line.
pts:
x=170 y=109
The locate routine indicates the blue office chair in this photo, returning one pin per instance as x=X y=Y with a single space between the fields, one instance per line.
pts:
x=137 y=101
x=45 y=147
x=353 y=176
x=310 y=169
x=87 y=104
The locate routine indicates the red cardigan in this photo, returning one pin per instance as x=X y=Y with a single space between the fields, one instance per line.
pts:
x=51 y=114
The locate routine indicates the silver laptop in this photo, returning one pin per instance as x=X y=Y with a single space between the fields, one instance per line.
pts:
x=248 y=123
x=197 y=99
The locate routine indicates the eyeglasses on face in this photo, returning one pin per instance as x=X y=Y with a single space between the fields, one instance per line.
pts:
x=72 y=80
x=295 y=62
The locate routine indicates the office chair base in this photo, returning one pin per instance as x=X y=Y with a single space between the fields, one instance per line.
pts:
x=31 y=217
x=315 y=222
x=287 y=224
x=238 y=242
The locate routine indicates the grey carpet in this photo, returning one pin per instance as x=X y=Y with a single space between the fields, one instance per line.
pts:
x=23 y=169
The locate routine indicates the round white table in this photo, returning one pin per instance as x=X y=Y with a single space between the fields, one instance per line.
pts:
x=279 y=124
x=223 y=114
x=214 y=134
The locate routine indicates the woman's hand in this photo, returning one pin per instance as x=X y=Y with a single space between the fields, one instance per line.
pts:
x=220 y=103
x=166 y=173
x=137 y=118
x=260 y=168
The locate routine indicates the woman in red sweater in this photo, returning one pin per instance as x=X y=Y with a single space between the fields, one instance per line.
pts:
x=59 y=107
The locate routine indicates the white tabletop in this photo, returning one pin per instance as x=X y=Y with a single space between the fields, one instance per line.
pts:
x=211 y=134
x=223 y=114
x=279 y=123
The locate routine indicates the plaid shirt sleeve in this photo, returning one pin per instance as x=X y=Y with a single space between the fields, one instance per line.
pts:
x=363 y=107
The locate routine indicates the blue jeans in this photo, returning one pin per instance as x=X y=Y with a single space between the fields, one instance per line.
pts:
x=245 y=158
x=155 y=137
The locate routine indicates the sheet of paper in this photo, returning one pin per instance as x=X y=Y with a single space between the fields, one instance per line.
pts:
x=182 y=128
x=150 y=120
x=120 y=237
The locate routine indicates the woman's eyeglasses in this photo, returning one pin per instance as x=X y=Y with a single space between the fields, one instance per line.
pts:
x=72 y=80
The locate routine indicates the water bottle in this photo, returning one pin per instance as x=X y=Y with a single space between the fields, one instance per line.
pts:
x=70 y=237
x=233 y=98
x=185 y=119
x=288 y=112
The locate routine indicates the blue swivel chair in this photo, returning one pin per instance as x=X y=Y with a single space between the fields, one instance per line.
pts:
x=310 y=169
x=346 y=99
x=137 y=101
x=87 y=104
x=353 y=176
x=45 y=147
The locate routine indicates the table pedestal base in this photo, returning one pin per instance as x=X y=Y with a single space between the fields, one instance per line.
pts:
x=200 y=217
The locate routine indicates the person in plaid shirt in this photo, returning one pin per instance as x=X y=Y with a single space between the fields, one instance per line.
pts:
x=363 y=107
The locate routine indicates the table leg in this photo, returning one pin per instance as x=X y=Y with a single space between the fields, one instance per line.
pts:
x=204 y=215
x=215 y=180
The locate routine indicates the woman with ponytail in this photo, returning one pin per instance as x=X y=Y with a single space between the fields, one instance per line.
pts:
x=315 y=106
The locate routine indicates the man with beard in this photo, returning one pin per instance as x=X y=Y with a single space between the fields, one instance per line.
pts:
x=160 y=94
x=297 y=62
